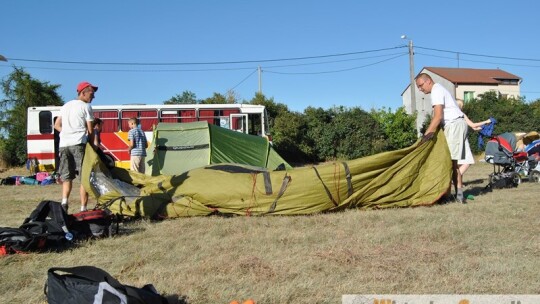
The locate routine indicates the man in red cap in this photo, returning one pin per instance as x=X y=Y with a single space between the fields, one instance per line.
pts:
x=75 y=127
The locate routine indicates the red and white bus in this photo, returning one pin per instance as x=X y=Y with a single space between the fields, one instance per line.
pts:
x=43 y=139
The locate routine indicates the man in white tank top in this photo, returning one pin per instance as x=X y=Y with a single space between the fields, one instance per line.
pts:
x=447 y=114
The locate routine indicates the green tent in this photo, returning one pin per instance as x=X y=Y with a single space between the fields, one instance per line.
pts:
x=414 y=176
x=180 y=147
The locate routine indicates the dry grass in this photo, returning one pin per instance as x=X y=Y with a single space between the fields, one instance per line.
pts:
x=490 y=245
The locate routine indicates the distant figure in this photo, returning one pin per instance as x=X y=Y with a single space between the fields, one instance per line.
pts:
x=447 y=114
x=464 y=164
x=97 y=125
x=75 y=127
x=137 y=145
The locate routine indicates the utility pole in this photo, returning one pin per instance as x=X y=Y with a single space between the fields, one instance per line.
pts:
x=411 y=72
x=260 y=79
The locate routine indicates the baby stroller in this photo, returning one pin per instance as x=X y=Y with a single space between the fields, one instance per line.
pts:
x=533 y=150
x=509 y=165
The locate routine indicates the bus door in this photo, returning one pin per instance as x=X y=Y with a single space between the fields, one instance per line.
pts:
x=239 y=122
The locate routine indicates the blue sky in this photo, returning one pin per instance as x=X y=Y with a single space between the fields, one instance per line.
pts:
x=259 y=33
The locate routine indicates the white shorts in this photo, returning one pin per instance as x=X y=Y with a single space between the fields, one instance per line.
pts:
x=456 y=133
x=469 y=159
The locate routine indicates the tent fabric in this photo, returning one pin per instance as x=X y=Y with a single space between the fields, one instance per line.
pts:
x=414 y=176
x=180 y=147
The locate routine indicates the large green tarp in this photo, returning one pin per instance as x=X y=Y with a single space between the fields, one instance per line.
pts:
x=179 y=147
x=414 y=176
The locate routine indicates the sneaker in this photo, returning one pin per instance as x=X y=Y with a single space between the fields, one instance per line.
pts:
x=460 y=198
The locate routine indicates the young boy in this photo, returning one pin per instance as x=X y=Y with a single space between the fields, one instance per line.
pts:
x=137 y=145
x=97 y=124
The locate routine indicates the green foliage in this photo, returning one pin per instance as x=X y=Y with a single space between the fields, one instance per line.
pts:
x=187 y=97
x=217 y=98
x=316 y=121
x=535 y=110
x=21 y=91
x=343 y=133
x=399 y=127
x=273 y=109
x=289 y=137
x=337 y=133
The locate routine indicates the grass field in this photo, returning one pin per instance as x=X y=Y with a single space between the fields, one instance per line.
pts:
x=489 y=246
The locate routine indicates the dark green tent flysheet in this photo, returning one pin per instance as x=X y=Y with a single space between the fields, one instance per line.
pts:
x=179 y=147
x=414 y=176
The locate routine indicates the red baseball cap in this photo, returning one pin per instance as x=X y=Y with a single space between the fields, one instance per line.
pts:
x=85 y=84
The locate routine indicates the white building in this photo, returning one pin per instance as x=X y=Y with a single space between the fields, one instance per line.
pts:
x=464 y=84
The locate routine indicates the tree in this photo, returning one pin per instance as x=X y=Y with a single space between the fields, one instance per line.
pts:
x=290 y=137
x=273 y=109
x=399 y=127
x=317 y=120
x=231 y=97
x=217 y=98
x=21 y=91
x=343 y=133
x=354 y=133
x=187 y=97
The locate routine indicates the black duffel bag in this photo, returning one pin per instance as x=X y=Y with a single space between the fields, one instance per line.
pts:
x=88 y=284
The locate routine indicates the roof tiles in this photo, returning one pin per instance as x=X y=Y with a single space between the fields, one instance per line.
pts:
x=470 y=76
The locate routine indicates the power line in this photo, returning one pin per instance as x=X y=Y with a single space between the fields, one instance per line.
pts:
x=138 y=71
x=479 y=61
x=336 y=71
x=207 y=69
x=478 y=55
x=243 y=80
x=333 y=61
x=203 y=63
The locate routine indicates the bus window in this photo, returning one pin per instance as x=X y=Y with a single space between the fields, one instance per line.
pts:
x=211 y=116
x=188 y=116
x=126 y=115
x=225 y=115
x=178 y=115
x=169 y=116
x=147 y=118
x=109 y=119
x=45 y=122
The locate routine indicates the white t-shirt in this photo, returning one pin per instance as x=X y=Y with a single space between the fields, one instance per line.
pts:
x=74 y=115
x=441 y=96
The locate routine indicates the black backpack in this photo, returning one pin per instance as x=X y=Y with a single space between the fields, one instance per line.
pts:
x=10 y=180
x=50 y=218
x=88 y=284
x=20 y=240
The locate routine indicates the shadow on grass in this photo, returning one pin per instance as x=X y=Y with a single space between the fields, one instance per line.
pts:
x=177 y=299
x=475 y=181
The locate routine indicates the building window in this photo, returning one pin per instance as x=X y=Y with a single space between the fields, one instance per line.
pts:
x=468 y=96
